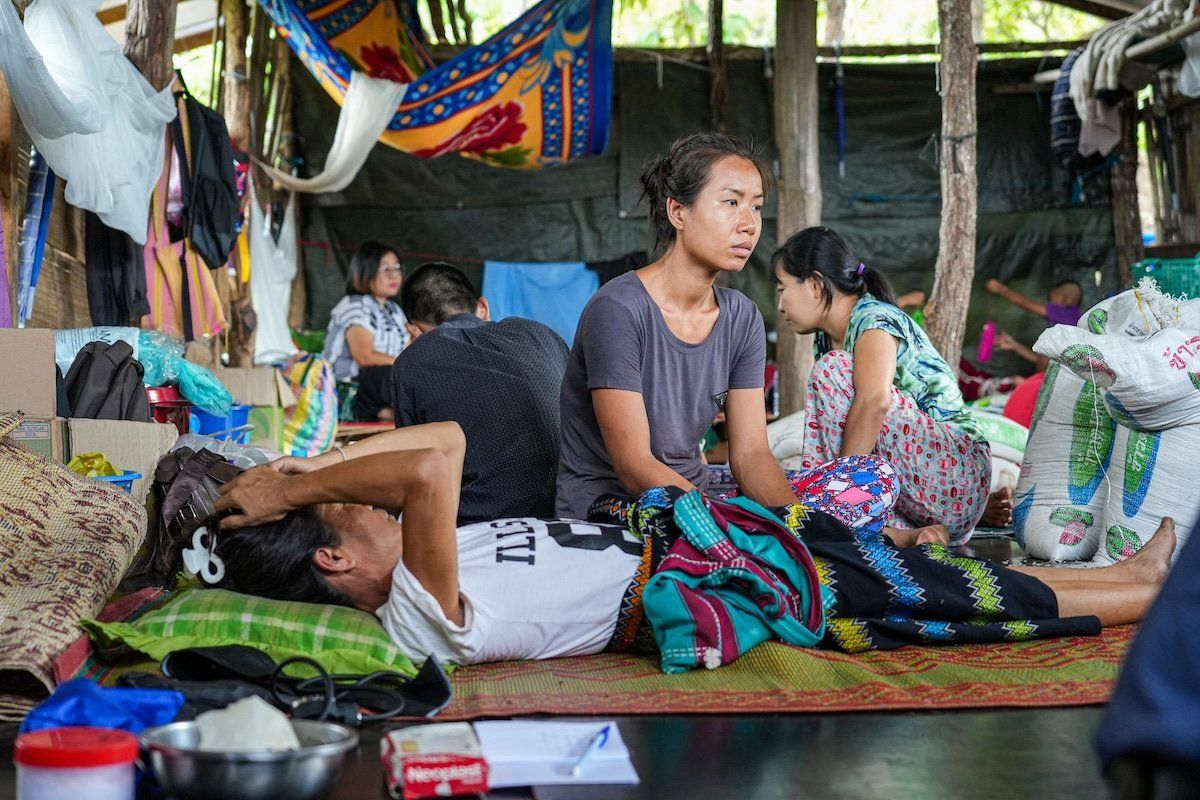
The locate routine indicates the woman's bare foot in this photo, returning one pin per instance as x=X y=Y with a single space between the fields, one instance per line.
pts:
x=997 y=513
x=931 y=534
x=1152 y=563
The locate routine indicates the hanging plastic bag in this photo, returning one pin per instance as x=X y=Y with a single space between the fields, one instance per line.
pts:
x=160 y=354
x=45 y=109
x=203 y=389
x=312 y=423
x=1189 y=75
x=110 y=169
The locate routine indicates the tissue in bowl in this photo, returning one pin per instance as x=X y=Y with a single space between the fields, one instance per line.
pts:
x=248 y=725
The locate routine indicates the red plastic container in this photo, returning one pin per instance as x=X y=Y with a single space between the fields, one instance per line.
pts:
x=167 y=405
x=77 y=763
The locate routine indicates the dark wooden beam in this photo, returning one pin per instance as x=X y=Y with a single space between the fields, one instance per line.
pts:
x=1107 y=9
x=192 y=42
x=107 y=16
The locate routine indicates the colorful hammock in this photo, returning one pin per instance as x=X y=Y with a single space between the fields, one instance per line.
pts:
x=537 y=93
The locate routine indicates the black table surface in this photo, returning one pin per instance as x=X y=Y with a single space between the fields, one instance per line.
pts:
x=1040 y=753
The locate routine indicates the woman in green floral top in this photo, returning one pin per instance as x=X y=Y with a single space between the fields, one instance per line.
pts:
x=879 y=386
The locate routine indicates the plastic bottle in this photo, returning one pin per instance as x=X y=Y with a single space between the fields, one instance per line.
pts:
x=75 y=763
x=987 y=338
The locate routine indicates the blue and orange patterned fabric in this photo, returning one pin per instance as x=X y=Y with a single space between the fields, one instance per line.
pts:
x=538 y=93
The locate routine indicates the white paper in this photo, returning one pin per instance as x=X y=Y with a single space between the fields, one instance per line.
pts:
x=69 y=341
x=524 y=753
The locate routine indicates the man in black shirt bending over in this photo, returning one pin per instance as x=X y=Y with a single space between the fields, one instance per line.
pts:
x=499 y=381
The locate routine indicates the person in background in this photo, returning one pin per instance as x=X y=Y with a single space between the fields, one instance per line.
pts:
x=367 y=330
x=1061 y=308
x=879 y=385
x=660 y=351
x=498 y=380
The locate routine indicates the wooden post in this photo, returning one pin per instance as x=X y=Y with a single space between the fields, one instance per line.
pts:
x=235 y=99
x=235 y=107
x=8 y=194
x=1127 y=219
x=150 y=38
x=718 y=86
x=835 y=20
x=799 y=199
x=946 y=314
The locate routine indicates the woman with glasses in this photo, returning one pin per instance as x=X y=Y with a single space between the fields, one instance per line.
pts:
x=367 y=329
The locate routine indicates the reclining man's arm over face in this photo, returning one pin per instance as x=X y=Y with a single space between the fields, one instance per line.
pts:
x=424 y=483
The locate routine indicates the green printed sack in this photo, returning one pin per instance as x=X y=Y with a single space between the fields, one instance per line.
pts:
x=1152 y=476
x=1058 y=506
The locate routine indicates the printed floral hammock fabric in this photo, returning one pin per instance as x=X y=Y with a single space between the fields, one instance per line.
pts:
x=538 y=93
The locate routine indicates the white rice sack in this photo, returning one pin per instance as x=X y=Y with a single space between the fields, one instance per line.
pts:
x=1150 y=383
x=1058 y=508
x=1140 y=311
x=1150 y=478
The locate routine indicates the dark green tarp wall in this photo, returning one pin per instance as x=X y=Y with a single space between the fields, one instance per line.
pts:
x=887 y=205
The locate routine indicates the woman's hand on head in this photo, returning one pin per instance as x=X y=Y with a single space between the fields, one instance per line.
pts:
x=255 y=497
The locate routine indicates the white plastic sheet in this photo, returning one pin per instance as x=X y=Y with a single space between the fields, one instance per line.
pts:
x=43 y=105
x=272 y=270
x=369 y=106
x=91 y=114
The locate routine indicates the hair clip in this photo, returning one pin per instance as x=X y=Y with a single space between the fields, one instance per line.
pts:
x=202 y=559
x=861 y=268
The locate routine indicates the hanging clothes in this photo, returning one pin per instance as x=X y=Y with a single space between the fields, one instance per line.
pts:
x=39 y=200
x=183 y=297
x=1103 y=67
x=6 y=319
x=369 y=106
x=273 y=268
x=553 y=294
x=116 y=274
x=539 y=92
x=91 y=114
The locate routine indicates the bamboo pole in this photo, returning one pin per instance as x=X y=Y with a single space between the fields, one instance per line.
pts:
x=799 y=202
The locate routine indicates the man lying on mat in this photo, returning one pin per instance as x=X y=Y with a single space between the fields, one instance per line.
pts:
x=527 y=588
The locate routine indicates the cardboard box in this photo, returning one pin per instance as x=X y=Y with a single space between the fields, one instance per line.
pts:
x=268 y=395
x=135 y=446
x=27 y=381
x=440 y=760
x=28 y=386
x=45 y=435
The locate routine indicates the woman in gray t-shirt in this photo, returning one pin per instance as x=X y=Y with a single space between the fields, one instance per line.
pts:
x=660 y=351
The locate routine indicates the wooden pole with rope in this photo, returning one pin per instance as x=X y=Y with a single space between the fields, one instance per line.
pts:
x=946 y=313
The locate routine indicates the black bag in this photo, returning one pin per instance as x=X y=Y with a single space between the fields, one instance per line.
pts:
x=209 y=185
x=214 y=677
x=105 y=382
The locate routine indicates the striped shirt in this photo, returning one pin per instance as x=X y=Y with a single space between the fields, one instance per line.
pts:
x=385 y=322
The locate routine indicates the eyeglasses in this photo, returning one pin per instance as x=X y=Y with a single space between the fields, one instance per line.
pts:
x=389 y=269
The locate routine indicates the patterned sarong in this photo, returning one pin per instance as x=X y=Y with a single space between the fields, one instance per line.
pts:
x=537 y=93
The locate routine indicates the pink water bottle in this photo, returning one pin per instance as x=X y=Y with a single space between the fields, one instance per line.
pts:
x=987 y=338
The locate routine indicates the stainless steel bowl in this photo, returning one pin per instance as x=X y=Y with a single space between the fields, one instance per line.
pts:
x=188 y=773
